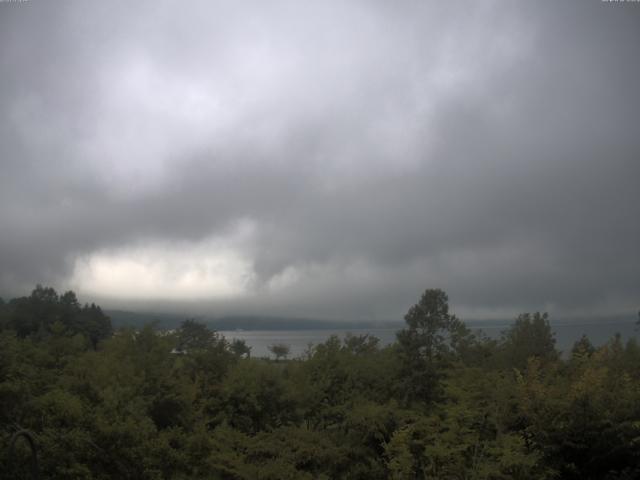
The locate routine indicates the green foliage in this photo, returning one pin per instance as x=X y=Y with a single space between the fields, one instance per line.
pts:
x=45 y=313
x=280 y=350
x=427 y=344
x=240 y=348
x=256 y=397
x=441 y=403
x=529 y=336
x=194 y=336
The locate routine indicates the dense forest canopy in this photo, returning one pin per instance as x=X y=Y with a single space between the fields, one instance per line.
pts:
x=442 y=402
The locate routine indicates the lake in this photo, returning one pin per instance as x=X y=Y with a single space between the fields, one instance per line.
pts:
x=298 y=340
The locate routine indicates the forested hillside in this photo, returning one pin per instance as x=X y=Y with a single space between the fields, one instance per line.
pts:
x=440 y=403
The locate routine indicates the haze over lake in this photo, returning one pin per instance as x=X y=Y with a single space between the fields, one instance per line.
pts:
x=566 y=333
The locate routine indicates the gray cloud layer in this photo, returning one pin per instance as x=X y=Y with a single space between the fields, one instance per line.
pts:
x=375 y=150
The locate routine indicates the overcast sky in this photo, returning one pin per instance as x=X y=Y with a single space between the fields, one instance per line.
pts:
x=326 y=159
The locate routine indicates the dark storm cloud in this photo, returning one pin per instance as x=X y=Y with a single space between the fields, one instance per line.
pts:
x=373 y=150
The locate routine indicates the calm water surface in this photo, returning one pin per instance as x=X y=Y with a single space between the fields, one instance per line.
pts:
x=298 y=340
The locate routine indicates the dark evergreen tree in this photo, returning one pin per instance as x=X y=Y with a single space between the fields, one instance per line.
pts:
x=529 y=336
x=425 y=344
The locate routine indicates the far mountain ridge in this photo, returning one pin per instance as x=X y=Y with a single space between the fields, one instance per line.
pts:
x=123 y=318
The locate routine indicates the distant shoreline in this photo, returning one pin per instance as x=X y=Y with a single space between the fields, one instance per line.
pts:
x=122 y=318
